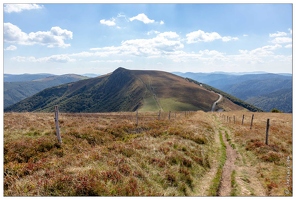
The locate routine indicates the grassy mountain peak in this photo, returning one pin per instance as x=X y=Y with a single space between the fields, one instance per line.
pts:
x=125 y=90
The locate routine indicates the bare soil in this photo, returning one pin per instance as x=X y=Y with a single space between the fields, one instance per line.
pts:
x=229 y=166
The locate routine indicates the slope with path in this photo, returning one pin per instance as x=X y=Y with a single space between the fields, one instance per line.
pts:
x=215 y=103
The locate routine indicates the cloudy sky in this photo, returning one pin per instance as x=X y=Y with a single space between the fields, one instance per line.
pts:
x=98 y=38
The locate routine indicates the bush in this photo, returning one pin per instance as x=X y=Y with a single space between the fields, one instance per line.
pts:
x=274 y=110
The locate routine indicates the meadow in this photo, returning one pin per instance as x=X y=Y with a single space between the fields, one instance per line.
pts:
x=109 y=154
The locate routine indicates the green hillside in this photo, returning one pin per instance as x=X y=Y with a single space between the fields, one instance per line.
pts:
x=228 y=96
x=124 y=90
x=16 y=91
x=280 y=100
x=263 y=90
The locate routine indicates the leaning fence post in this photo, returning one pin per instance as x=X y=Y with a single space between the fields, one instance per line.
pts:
x=243 y=120
x=267 y=128
x=56 y=119
x=252 y=121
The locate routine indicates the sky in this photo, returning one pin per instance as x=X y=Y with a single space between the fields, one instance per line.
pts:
x=98 y=38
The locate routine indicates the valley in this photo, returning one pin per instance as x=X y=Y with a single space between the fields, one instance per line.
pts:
x=265 y=91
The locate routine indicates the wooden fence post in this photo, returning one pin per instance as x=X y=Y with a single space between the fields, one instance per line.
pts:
x=137 y=119
x=267 y=128
x=252 y=121
x=169 y=115
x=243 y=120
x=159 y=115
x=56 y=119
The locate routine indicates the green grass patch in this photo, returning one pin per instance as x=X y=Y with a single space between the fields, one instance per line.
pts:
x=171 y=104
x=234 y=186
x=149 y=104
x=213 y=191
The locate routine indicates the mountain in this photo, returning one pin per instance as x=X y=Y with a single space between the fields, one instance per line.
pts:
x=280 y=99
x=125 y=90
x=17 y=91
x=261 y=90
x=23 y=77
x=90 y=75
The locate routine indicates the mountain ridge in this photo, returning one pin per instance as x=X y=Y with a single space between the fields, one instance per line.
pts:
x=251 y=88
x=124 y=90
x=16 y=91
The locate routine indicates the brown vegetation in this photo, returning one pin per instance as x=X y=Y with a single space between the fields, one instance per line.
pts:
x=273 y=162
x=104 y=154
x=107 y=154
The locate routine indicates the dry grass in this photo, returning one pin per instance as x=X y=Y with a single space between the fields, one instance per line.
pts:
x=105 y=154
x=273 y=162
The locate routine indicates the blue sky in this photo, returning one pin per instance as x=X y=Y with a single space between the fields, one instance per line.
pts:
x=98 y=38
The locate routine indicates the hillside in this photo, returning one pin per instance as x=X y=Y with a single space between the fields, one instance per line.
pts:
x=24 y=77
x=125 y=90
x=29 y=85
x=280 y=100
x=261 y=90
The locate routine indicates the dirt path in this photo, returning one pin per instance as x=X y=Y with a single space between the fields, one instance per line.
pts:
x=244 y=182
x=229 y=166
x=246 y=177
x=215 y=103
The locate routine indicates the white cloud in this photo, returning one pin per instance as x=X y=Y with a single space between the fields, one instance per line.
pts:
x=53 y=38
x=143 y=18
x=245 y=35
x=262 y=51
x=58 y=58
x=277 y=34
x=13 y=33
x=288 y=46
x=228 y=38
x=54 y=58
x=24 y=59
x=112 y=61
x=11 y=48
x=152 y=32
x=82 y=54
x=290 y=31
x=201 y=36
x=280 y=40
x=108 y=22
x=162 y=44
x=161 y=22
x=9 y=8
x=258 y=56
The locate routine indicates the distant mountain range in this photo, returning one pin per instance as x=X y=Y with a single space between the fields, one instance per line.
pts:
x=125 y=90
x=265 y=91
x=24 y=77
x=19 y=87
x=91 y=75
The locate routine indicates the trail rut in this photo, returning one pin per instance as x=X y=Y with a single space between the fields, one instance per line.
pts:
x=229 y=166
